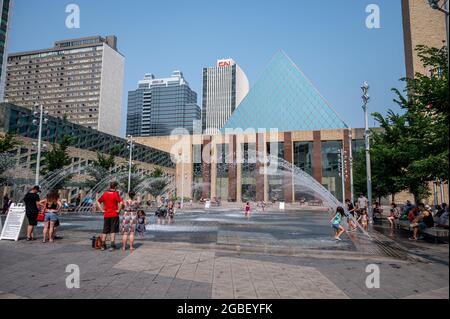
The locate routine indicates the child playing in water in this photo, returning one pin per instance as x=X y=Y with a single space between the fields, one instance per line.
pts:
x=141 y=222
x=336 y=223
x=364 y=220
x=247 y=209
x=351 y=216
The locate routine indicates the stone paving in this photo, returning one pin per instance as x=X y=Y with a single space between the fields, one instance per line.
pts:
x=222 y=255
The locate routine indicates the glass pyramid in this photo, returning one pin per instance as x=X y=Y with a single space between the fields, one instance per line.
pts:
x=284 y=99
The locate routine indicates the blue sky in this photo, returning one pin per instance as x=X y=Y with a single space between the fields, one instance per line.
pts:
x=327 y=39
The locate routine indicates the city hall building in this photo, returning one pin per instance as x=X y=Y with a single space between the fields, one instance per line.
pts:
x=283 y=115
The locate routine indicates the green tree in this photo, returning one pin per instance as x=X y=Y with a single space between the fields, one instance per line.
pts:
x=136 y=178
x=100 y=168
x=413 y=147
x=58 y=158
x=8 y=143
x=158 y=183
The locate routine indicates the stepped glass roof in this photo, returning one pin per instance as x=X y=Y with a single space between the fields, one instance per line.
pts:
x=283 y=98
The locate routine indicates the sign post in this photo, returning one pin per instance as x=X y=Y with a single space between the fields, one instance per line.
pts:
x=14 y=225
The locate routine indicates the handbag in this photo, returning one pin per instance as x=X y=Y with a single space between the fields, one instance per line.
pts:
x=41 y=215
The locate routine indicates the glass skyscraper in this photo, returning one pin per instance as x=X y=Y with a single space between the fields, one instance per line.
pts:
x=160 y=107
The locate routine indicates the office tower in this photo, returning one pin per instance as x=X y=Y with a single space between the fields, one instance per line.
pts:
x=162 y=106
x=224 y=88
x=5 y=7
x=79 y=79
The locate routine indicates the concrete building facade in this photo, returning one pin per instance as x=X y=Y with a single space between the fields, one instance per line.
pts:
x=5 y=11
x=228 y=166
x=422 y=25
x=79 y=79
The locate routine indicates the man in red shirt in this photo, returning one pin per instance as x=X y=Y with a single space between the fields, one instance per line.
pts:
x=112 y=203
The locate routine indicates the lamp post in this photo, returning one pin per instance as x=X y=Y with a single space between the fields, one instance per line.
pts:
x=342 y=172
x=435 y=4
x=352 y=190
x=182 y=179
x=366 y=99
x=130 y=142
x=39 y=121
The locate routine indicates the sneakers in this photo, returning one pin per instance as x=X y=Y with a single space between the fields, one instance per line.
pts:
x=113 y=247
x=103 y=247
x=337 y=238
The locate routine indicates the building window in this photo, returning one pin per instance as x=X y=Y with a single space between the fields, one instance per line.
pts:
x=331 y=178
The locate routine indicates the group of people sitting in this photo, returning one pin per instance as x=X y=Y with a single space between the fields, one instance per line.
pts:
x=420 y=217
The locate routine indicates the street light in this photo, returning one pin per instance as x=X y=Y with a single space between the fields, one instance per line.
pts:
x=180 y=153
x=130 y=142
x=366 y=98
x=352 y=190
x=341 y=161
x=39 y=121
x=435 y=4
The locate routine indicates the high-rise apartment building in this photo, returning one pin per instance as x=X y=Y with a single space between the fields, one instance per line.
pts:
x=159 y=107
x=224 y=88
x=79 y=79
x=5 y=10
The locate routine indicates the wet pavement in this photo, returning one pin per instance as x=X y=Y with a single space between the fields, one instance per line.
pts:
x=223 y=254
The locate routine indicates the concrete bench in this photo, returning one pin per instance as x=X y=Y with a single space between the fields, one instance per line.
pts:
x=435 y=232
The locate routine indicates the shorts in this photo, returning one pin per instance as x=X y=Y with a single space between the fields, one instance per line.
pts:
x=422 y=226
x=32 y=219
x=336 y=226
x=51 y=217
x=111 y=225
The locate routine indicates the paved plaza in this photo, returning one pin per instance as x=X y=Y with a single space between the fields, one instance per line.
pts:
x=220 y=254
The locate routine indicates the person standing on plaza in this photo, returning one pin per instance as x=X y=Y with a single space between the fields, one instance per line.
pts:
x=129 y=221
x=247 y=209
x=78 y=201
x=52 y=206
x=351 y=215
x=362 y=203
x=171 y=212
x=336 y=223
x=141 y=223
x=6 y=204
x=364 y=220
x=31 y=201
x=112 y=203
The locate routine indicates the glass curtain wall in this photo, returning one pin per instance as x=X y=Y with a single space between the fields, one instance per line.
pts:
x=197 y=178
x=331 y=175
x=248 y=172
x=222 y=172
x=303 y=159
x=276 y=179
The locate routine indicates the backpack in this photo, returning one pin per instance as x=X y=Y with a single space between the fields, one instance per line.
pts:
x=98 y=243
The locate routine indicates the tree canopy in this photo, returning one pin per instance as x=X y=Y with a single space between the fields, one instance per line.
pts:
x=413 y=147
